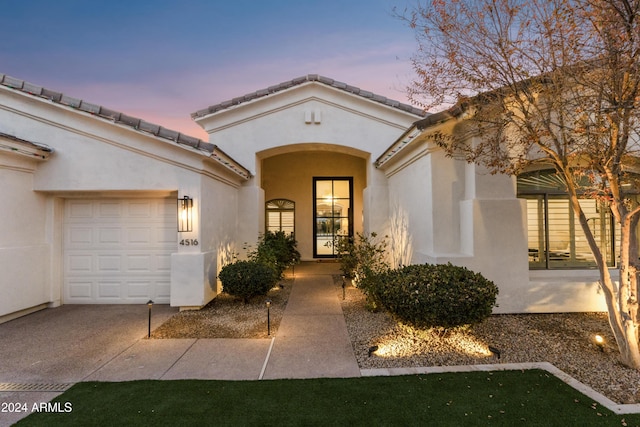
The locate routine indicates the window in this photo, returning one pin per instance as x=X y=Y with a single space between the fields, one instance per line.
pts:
x=332 y=214
x=555 y=237
x=280 y=215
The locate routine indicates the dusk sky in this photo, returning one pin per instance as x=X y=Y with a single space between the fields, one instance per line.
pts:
x=162 y=60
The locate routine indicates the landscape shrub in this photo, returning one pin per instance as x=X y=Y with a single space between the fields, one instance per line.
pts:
x=440 y=295
x=247 y=279
x=277 y=250
x=364 y=258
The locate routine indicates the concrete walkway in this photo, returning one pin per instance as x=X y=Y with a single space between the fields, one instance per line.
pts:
x=44 y=353
x=312 y=340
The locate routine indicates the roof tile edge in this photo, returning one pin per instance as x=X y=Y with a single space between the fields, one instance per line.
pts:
x=113 y=116
x=261 y=93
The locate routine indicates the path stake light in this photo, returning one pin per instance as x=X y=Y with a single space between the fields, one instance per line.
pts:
x=150 y=304
x=268 y=302
x=344 y=285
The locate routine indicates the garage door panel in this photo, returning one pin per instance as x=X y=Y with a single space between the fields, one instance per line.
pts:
x=109 y=290
x=79 y=290
x=109 y=236
x=79 y=263
x=80 y=209
x=166 y=235
x=79 y=235
x=140 y=263
x=139 y=236
x=119 y=251
x=109 y=209
x=163 y=290
x=139 y=289
x=141 y=210
x=164 y=263
x=109 y=264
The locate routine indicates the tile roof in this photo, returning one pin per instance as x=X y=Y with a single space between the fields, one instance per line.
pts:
x=305 y=79
x=123 y=119
x=418 y=128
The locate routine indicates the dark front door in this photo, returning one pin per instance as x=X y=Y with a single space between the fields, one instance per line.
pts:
x=332 y=214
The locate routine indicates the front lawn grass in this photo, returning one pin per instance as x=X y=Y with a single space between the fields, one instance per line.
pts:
x=532 y=398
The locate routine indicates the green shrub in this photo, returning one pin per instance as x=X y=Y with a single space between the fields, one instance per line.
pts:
x=277 y=250
x=441 y=295
x=247 y=279
x=364 y=258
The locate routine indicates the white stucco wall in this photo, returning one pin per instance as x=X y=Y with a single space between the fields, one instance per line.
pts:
x=24 y=249
x=445 y=210
x=95 y=158
x=297 y=119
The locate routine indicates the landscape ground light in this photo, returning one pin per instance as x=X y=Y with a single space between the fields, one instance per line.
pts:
x=599 y=340
x=149 y=304
x=268 y=302
x=496 y=352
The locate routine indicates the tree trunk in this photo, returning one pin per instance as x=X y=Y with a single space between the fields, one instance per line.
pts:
x=622 y=304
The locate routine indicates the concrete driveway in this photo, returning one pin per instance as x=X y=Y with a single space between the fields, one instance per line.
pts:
x=47 y=350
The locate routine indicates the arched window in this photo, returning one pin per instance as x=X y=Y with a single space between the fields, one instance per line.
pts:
x=280 y=215
x=555 y=237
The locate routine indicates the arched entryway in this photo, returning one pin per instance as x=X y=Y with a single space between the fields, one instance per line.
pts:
x=326 y=183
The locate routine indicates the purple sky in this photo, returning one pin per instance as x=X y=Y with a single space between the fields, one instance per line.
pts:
x=162 y=60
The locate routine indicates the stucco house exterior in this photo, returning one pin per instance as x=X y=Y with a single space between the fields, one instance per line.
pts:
x=93 y=197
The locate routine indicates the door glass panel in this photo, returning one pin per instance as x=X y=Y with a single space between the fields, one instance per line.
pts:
x=324 y=190
x=341 y=189
x=332 y=214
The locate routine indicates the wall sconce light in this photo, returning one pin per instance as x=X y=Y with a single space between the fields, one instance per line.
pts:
x=185 y=214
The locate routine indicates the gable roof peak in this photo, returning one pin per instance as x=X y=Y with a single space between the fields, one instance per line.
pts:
x=308 y=79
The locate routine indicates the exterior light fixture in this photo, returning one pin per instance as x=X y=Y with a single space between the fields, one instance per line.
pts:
x=149 y=304
x=495 y=351
x=373 y=349
x=344 y=285
x=268 y=302
x=185 y=214
x=599 y=340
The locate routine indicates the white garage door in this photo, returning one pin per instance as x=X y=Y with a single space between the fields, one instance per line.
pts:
x=118 y=251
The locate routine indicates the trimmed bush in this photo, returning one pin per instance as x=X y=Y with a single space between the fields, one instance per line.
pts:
x=247 y=279
x=277 y=250
x=440 y=295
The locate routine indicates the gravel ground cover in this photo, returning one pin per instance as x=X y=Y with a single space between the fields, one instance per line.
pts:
x=228 y=317
x=565 y=340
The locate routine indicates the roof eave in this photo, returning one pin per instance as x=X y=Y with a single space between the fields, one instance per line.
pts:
x=23 y=147
x=116 y=117
x=310 y=78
